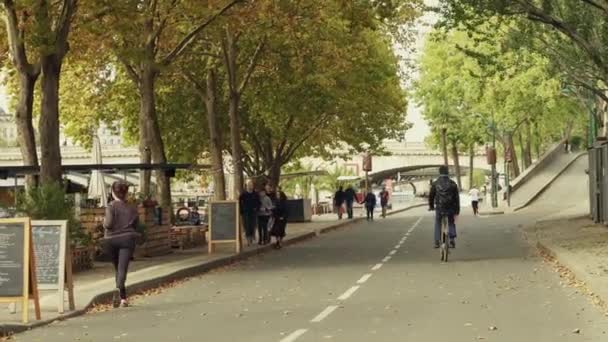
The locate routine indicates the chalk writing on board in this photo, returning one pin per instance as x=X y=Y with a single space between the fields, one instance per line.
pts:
x=47 y=242
x=11 y=260
x=224 y=221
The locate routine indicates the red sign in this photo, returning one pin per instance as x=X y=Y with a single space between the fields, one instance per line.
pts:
x=367 y=162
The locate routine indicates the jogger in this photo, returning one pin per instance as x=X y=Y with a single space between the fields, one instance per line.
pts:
x=120 y=224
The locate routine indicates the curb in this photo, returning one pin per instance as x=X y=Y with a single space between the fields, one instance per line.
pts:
x=105 y=297
x=491 y=213
x=569 y=218
x=546 y=186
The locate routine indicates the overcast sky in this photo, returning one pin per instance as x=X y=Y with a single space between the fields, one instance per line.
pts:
x=414 y=115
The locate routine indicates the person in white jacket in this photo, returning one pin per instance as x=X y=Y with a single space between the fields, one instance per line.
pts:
x=474 y=193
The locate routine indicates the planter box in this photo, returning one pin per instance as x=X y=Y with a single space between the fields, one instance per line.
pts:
x=299 y=210
x=82 y=258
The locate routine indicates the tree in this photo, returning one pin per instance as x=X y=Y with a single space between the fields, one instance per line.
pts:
x=485 y=85
x=38 y=42
x=570 y=33
x=321 y=77
x=148 y=37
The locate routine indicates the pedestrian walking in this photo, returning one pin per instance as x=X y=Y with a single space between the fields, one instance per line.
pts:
x=474 y=193
x=339 y=202
x=384 y=197
x=370 y=204
x=120 y=236
x=249 y=204
x=280 y=219
x=264 y=216
x=350 y=196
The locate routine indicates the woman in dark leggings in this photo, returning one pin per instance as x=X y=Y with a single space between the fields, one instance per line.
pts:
x=120 y=224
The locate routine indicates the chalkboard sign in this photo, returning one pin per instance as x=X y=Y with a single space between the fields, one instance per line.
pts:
x=18 y=265
x=12 y=259
x=50 y=241
x=49 y=248
x=224 y=223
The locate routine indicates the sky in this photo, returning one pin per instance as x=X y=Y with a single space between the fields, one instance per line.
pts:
x=420 y=129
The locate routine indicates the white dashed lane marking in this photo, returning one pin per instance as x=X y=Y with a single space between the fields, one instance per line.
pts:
x=294 y=335
x=328 y=310
x=349 y=293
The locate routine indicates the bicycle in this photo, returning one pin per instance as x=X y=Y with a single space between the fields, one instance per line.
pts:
x=445 y=238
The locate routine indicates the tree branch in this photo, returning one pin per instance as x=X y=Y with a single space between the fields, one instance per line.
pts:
x=63 y=28
x=597 y=5
x=536 y=14
x=16 y=37
x=252 y=65
x=294 y=147
x=189 y=38
x=131 y=72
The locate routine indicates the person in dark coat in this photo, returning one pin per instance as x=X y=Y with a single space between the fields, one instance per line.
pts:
x=280 y=219
x=350 y=196
x=339 y=202
x=384 y=197
x=445 y=200
x=370 y=204
x=120 y=236
x=249 y=203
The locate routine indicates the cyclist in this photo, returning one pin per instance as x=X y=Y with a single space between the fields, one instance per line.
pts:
x=445 y=200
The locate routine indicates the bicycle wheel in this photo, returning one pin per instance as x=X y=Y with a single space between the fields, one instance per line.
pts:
x=445 y=239
x=447 y=247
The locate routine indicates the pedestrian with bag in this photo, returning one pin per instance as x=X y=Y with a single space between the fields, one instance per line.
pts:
x=120 y=237
x=339 y=202
x=249 y=204
x=384 y=197
x=280 y=219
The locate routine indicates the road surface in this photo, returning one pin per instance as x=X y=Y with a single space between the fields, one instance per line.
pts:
x=379 y=281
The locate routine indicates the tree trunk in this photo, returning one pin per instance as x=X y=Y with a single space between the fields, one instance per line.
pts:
x=522 y=150
x=471 y=165
x=274 y=175
x=50 y=160
x=538 y=140
x=26 y=136
x=154 y=136
x=444 y=145
x=215 y=138
x=514 y=164
x=145 y=155
x=234 y=99
x=455 y=157
x=528 y=146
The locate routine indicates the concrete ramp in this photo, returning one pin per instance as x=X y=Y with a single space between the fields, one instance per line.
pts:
x=567 y=196
x=545 y=174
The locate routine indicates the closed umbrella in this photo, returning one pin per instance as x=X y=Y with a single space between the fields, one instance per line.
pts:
x=97 y=185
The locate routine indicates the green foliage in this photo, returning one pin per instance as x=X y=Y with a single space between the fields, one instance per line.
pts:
x=473 y=98
x=49 y=202
x=479 y=179
x=328 y=182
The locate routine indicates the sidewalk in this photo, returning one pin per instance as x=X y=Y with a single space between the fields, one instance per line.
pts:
x=94 y=286
x=580 y=249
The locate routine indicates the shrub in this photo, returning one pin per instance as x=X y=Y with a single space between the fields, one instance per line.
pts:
x=49 y=202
